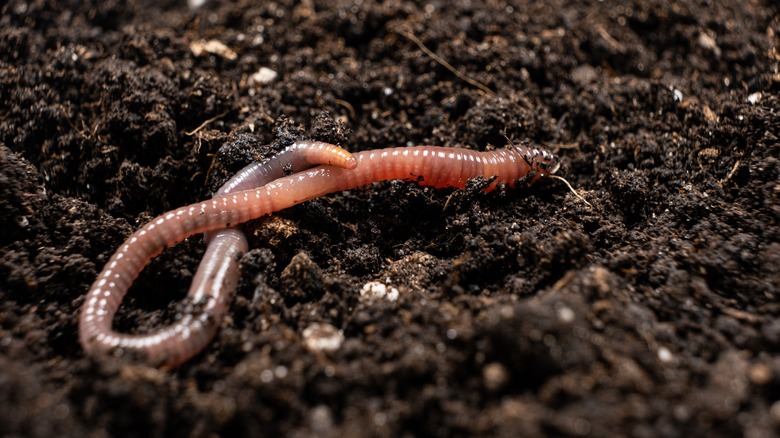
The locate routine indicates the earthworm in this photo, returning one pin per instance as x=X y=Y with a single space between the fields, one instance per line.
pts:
x=218 y=274
x=426 y=165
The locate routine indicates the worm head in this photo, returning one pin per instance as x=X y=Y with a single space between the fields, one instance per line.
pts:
x=549 y=162
x=546 y=163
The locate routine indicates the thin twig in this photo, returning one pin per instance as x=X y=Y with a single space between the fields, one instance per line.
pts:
x=204 y=124
x=445 y=64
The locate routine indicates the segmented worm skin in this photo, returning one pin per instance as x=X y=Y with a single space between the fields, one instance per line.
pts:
x=215 y=280
x=426 y=165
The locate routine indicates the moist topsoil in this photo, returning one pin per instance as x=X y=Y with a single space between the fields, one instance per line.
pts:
x=651 y=310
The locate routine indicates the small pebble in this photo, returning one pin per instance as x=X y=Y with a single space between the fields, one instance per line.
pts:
x=322 y=337
x=213 y=47
x=263 y=76
x=707 y=42
x=760 y=374
x=495 y=376
x=565 y=314
x=678 y=95
x=374 y=290
x=665 y=355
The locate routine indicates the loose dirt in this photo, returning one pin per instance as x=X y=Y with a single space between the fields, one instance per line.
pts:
x=651 y=312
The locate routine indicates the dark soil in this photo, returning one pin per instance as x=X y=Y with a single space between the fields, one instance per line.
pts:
x=651 y=312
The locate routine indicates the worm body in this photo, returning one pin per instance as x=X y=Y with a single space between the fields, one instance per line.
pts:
x=217 y=275
x=295 y=157
x=425 y=165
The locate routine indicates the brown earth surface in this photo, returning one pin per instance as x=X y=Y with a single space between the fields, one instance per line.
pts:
x=653 y=311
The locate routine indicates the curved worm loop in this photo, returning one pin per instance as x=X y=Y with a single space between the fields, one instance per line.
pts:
x=212 y=285
x=425 y=165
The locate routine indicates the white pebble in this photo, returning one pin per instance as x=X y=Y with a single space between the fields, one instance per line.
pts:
x=374 y=290
x=263 y=76
x=565 y=314
x=195 y=4
x=214 y=47
x=678 y=96
x=665 y=355
x=322 y=337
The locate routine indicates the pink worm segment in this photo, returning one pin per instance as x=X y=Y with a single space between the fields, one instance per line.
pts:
x=426 y=165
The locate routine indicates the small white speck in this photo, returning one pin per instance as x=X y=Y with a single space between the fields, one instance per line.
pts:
x=707 y=42
x=665 y=355
x=565 y=314
x=678 y=96
x=755 y=98
x=263 y=76
x=280 y=372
